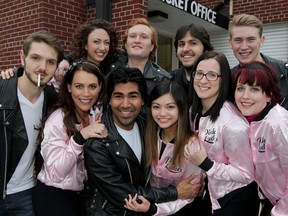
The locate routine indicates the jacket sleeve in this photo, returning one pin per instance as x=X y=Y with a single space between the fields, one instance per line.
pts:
x=60 y=152
x=236 y=146
x=169 y=208
x=104 y=173
x=281 y=152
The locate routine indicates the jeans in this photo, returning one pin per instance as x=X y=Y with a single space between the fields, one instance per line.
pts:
x=18 y=204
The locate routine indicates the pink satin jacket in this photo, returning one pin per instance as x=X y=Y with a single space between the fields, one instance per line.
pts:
x=63 y=165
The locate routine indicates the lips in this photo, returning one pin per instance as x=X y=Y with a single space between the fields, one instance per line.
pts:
x=203 y=88
x=163 y=121
x=137 y=47
x=101 y=54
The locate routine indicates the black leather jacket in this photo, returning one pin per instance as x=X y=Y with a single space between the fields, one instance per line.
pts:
x=179 y=76
x=13 y=136
x=114 y=172
x=281 y=69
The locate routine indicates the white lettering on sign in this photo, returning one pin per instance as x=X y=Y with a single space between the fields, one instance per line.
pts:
x=194 y=8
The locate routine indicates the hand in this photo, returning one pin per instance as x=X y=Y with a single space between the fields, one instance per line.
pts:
x=195 y=152
x=61 y=70
x=186 y=190
x=132 y=204
x=94 y=130
x=7 y=74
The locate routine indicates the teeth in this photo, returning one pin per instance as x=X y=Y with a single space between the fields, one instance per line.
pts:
x=244 y=54
x=204 y=88
x=125 y=113
x=246 y=104
x=85 y=101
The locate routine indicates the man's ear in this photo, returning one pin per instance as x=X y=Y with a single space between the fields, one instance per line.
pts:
x=22 y=57
x=262 y=40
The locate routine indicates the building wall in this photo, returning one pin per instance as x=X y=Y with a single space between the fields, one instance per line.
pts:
x=19 y=18
x=125 y=10
x=269 y=11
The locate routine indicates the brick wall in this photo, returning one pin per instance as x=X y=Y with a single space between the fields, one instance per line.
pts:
x=269 y=11
x=125 y=10
x=19 y=18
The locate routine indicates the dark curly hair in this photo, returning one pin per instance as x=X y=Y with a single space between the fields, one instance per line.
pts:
x=79 y=41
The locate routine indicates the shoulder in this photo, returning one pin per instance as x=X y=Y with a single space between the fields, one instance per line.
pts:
x=177 y=72
x=278 y=112
x=231 y=115
x=160 y=71
x=233 y=69
x=56 y=116
x=276 y=63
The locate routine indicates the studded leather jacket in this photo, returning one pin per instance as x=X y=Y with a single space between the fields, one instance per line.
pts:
x=13 y=136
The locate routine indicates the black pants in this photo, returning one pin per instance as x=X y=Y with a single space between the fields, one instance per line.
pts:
x=51 y=201
x=240 y=202
x=267 y=207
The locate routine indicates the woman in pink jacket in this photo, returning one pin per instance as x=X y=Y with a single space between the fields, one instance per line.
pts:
x=224 y=152
x=167 y=132
x=257 y=97
x=73 y=121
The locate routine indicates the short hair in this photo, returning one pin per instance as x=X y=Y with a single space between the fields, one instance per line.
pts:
x=225 y=91
x=45 y=37
x=80 y=38
x=196 y=31
x=261 y=75
x=124 y=75
x=143 y=21
x=245 y=20
x=183 y=132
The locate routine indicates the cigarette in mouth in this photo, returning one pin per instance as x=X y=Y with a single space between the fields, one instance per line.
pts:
x=38 y=81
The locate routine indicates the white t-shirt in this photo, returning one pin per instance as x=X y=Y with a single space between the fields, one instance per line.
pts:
x=132 y=137
x=22 y=179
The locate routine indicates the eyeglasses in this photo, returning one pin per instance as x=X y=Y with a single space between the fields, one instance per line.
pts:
x=211 y=76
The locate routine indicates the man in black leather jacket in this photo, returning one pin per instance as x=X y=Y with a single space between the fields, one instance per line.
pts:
x=246 y=39
x=116 y=164
x=20 y=96
x=190 y=42
x=140 y=45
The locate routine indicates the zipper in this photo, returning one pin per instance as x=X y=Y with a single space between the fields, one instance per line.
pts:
x=130 y=173
x=6 y=157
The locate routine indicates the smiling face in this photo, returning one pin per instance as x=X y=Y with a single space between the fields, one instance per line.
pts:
x=126 y=103
x=98 y=45
x=246 y=42
x=207 y=90
x=139 y=41
x=84 y=90
x=250 y=100
x=189 y=49
x=41 y=59
x=165 y=112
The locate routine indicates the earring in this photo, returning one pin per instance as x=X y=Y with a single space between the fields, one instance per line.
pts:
x=69 y=90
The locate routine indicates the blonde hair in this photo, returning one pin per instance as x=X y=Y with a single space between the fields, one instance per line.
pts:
x=246 y=20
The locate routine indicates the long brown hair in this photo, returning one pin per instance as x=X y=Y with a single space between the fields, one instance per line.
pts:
x=183 y=129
